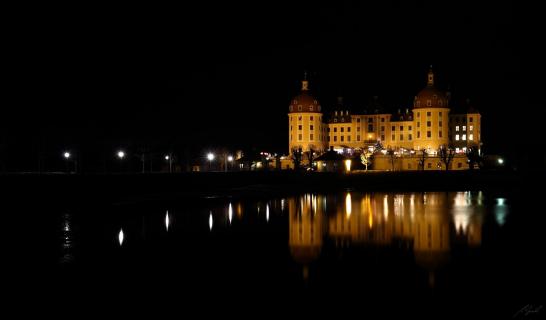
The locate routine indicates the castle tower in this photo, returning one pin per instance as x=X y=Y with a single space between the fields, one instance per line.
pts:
x=305 y=128
x=430 y=117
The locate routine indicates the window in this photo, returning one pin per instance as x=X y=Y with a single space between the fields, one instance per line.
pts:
x=358 y=138
x=409 y=128
x=348 y=129
x=418 y=114
x=429 y=165
x=428 y=114
x=440 y=103
x=418 y=124
x=328 y=129
x=349 y=138
x=428 y=123
x=409 y=165
x=471 y=137
x=429 y=103
x=299 y=118
x=418 y=134
x=459 y=165
x=401 y=128
x=311 y=137
x=382 y=119
x=342 y=119
x=311 y=118
x=409 y=137
x=335 y=129
x=393 y=128
x=299 y=137
x=342 y=129
x=383 y=137
x=311 y=109
x=457 y=150
x=429 y=134
x=418 y=103
x=382 y=128
x=471 y=128
x=440 y=114
x=342 y=138
x=393 y=137
x=464 y=128
x=335 y=120
x=358 y=120
x=457 y=128
x=440 y=134
x=456 y=137
x=440 y=124
x=311 y=127
x=328 y=138
x=370 y=120
x=401 y=137
x=299 y=108
x=299 y=127
x=335 y=138
x=357 y=129
x=370 y=127
x=470 y=119
x=464 y=137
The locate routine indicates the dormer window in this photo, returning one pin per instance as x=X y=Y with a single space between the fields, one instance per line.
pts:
x=291 y=108
x=315 y=101
x=299 y=107
x=335 y=120
x=310 y=108
x=429 y=103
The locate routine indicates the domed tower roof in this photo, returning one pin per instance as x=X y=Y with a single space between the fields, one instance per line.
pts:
x=430 y=97
x=304 y=102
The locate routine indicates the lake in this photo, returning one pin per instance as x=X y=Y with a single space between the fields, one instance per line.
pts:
x=413 y=253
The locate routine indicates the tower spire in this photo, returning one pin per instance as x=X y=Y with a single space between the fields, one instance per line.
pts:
x=305 y=83
x=430 y=79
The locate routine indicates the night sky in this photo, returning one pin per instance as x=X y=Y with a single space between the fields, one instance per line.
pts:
x=174 y=77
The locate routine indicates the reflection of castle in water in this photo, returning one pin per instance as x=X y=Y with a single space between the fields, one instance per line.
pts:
x=427 y=223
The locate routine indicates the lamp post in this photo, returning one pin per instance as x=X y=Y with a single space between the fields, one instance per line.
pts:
x=66 y=156
x=120 y=155
x=230 y=160
x=210 y=157
x=169 y=158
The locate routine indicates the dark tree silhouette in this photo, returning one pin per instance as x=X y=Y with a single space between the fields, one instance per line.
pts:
x=296 y=157
x=422 y=158
x=474 y=158
x=446 y=155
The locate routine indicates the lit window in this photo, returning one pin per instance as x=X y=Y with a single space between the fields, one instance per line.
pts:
x=457 y=150
x=456 y=137
x=471 y=128
x=464 y=128
x=457 y=128
x=464 y=137
x=471 y=137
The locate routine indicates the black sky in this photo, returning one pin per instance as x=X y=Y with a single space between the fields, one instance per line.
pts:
x=164 y=75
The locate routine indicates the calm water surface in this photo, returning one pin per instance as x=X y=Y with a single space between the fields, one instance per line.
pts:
x=421 y=252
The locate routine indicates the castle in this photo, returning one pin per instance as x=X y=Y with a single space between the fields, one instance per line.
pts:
x=413 y=139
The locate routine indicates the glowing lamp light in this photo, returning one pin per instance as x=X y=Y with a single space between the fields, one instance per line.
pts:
x=230 y=158
x=167 y=157
x=348 y=165
x=348 y=205
x=66 y=155
x=500 y=161
x=121 y=236
x=167 y=220
x=267 y=212
x=230 y=212
x=121 y=154
x=210 y=221
x=210 y=156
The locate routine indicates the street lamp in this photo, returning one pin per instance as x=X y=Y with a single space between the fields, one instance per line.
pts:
x=170 y=159
x=66 y=156
x=121 y=154
x=500 y=160
x=210 y=157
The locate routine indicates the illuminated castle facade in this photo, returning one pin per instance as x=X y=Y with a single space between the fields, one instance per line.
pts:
x=429 y=126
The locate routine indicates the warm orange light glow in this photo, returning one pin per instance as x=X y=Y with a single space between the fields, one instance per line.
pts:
x=348 y=165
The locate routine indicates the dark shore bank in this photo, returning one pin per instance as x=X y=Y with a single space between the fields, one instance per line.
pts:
x=120 y=187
